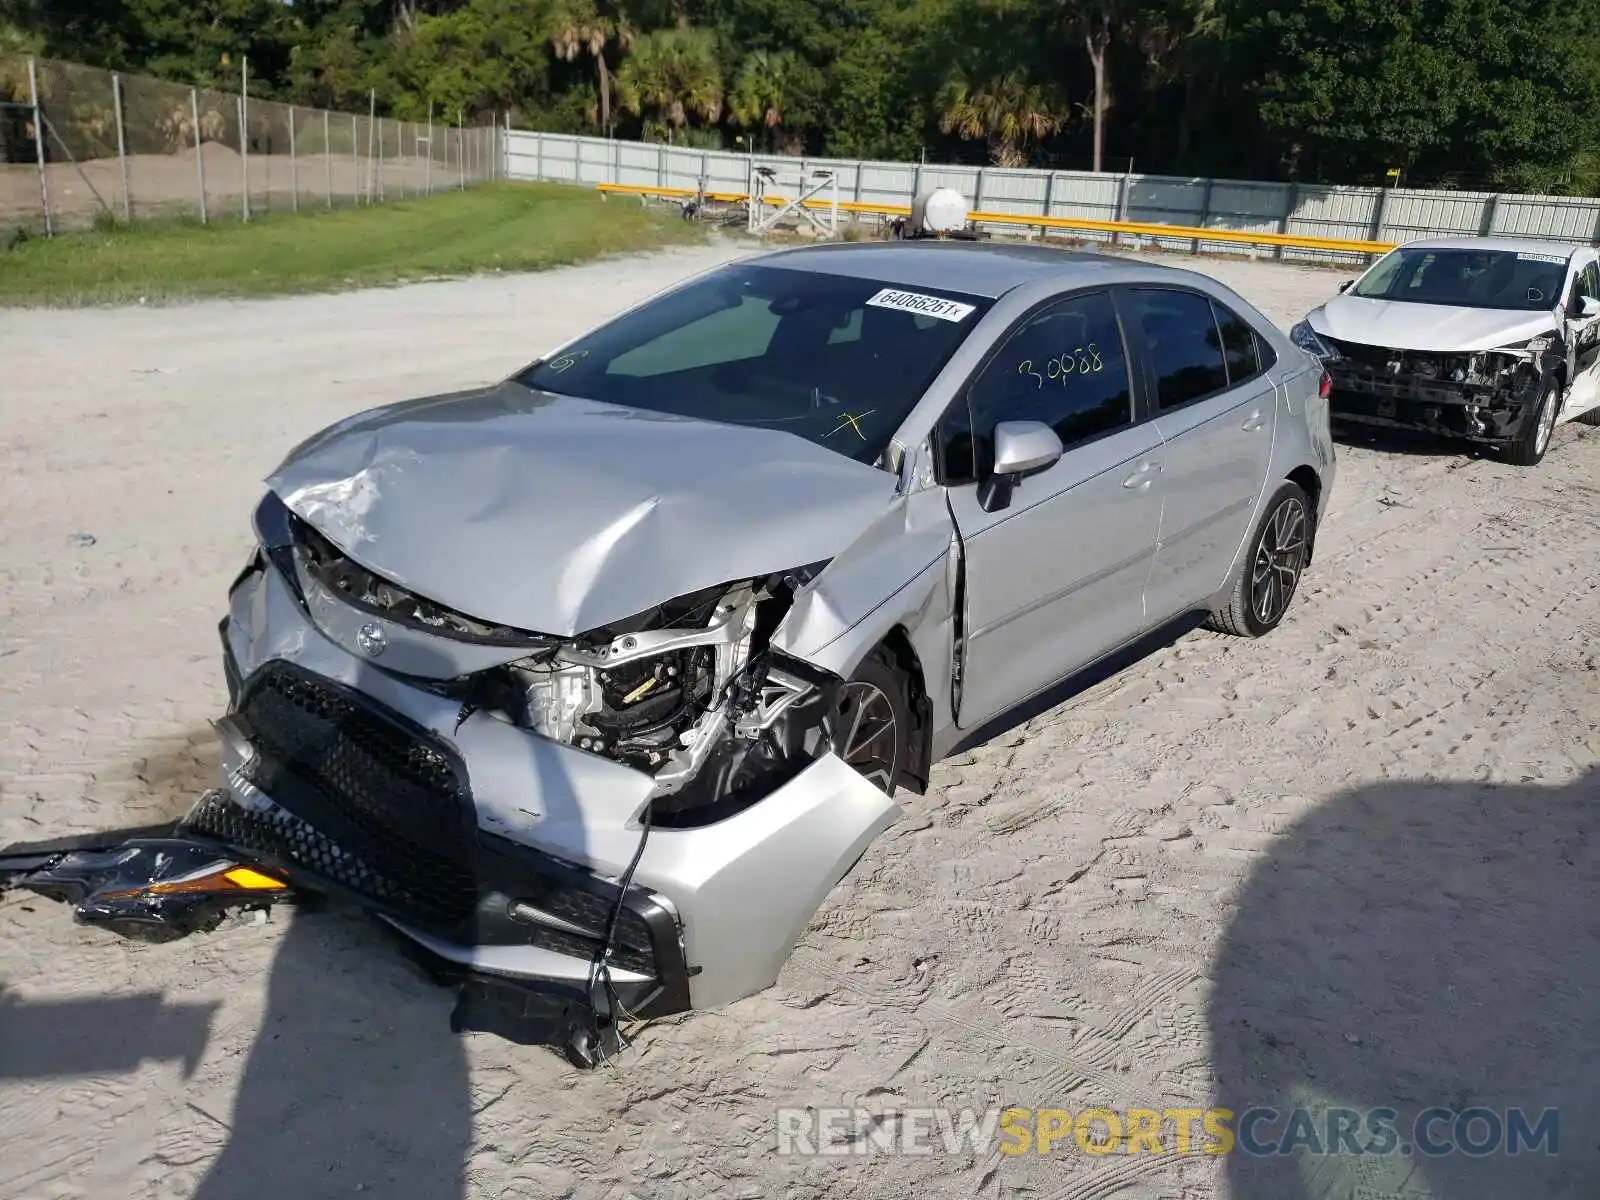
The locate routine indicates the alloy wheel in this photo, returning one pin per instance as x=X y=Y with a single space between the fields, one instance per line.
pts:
x=1547 y=422
x=871 y=737
x=1280 y=557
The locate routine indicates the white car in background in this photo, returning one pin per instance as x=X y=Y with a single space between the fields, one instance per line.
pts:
x=1494 y=340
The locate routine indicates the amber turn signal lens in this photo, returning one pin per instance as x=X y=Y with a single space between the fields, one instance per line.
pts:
x=225 y=879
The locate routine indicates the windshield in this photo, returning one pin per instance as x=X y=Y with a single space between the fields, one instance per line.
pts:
x=1467 y=278
x=836 y=360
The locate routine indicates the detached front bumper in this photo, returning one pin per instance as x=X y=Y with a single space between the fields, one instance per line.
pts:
x=1369 y=395
x=159 y=884
x=498 y=855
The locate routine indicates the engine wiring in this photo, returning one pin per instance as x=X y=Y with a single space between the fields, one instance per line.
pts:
x=600 y=964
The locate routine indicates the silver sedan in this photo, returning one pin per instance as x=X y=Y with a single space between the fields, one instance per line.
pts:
x=593 y=683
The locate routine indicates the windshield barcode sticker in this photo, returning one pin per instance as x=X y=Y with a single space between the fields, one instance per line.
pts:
x=1549 y=258
x=927 y=306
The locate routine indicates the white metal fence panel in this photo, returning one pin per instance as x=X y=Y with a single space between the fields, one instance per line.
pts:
x=639 y=164
x=1559 y=218
x=1015 y=191
x=1085 y=194
x=1408 y=215
x=1297 y=210
x=887 y=183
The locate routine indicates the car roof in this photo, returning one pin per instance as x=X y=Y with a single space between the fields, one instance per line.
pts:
x=977 y=268
x=1524 y=245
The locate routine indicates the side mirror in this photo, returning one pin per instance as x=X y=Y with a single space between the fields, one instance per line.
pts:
x=1021 y=448
x=1589 y=306
x=1346 y=285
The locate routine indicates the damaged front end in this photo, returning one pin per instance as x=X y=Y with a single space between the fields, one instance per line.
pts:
x=570 y=831
x=1487 y=396
x=689 y=692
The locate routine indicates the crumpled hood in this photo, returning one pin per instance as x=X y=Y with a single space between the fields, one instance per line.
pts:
x=558 y=515
x=1405 y=325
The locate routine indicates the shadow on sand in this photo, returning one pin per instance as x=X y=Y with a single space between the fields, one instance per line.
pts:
x=354 y=1084
x=1411 y=945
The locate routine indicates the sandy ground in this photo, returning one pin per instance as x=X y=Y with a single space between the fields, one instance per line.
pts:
x=1351 y=864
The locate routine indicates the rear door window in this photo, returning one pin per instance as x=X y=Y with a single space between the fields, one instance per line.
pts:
x=1183 y=343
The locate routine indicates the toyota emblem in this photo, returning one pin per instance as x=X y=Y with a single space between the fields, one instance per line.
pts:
x=370 y=637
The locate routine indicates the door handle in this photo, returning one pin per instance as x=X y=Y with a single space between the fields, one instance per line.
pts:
x=1253 y=422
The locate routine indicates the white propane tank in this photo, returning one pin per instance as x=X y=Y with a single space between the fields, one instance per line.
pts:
x=941 y=211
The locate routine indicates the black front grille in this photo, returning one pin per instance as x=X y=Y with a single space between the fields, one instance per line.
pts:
x=374 y=805
x=278 y=834
x=380 y=801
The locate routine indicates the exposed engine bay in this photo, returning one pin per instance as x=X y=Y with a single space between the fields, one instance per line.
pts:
x=1483 y=394
x=688 y=692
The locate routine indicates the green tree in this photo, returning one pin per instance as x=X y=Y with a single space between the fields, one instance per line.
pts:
x=1008 y=113
x=1184 y=45
x=671 y=77
x=1099 y=23
x=195 y=41
x=873 y=109
x=762 y=90
x=475 y=61
x=1503 y=92
x=594 y=28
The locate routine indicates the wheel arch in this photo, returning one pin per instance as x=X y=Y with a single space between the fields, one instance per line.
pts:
x=1306 y=478
x=897 y=646
x=910 y=647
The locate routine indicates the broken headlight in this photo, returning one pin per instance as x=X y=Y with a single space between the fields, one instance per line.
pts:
x=1306 y=338
x=690 y=694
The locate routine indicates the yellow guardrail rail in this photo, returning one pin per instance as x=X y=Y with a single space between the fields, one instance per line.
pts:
x=1192 y=233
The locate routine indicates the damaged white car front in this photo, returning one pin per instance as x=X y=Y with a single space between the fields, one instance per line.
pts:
x=1479 y=339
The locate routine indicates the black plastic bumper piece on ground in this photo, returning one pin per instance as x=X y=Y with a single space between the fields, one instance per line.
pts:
x=527 y=1012
x=105 y=877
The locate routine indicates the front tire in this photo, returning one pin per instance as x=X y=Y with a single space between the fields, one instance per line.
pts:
x=1276 y=557
x=874 y=735
x=1529 y=448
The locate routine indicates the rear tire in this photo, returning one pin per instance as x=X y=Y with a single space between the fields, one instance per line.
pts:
x=1592 y=417
x=1274 y=560
x=874 y=735
x=1530 y=447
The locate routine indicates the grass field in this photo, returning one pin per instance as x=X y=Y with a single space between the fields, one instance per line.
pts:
x=500 y=226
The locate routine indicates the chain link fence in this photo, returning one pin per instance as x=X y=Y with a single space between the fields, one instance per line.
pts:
x=80 y=145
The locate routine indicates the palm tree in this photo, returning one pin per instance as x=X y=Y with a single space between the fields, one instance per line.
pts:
x=1007 y=112
x=591 y=27
x=763 y=89
x=672 y=75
